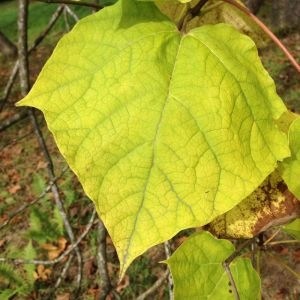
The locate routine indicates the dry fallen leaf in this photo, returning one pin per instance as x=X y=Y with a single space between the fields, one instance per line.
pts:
x=42 y=273
x=14 y=189
x=65 y=296
x=123 y=284
x=41 y=165
x=62 y=243
x=2 y=242
x=55 y=250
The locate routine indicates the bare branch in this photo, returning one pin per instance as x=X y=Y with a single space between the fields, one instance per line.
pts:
x=68 y=27
x=71 y=2
x=62 y=256
x=9 y=85
x=48 y=28
x=36 y=42
x=60 y=278
x=26 y=205
x=154 y=287
x=168 y=253
x=13 y=120
x=71 y=13
x=102 y=262
x=55 y=191
x=22 y=47
x=24 y=82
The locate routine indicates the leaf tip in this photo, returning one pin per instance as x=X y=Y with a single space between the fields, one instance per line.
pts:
x=22 y=102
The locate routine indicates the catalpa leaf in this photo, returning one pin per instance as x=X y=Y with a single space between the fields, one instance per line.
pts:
x=290 y=167
x=159 y=126
x=198 y=273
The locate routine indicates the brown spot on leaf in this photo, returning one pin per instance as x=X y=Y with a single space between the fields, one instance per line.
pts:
x=271 y=204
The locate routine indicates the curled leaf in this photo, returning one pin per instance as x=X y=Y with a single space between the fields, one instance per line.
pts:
x=269 y=205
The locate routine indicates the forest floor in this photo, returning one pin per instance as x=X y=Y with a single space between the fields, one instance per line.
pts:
x=37 y=232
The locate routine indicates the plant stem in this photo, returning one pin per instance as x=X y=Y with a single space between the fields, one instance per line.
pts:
x=273 y=37
x=283 y=242
x=271 y=237
x=196 y=9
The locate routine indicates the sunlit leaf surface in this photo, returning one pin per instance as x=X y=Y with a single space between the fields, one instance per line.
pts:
x=165 y=131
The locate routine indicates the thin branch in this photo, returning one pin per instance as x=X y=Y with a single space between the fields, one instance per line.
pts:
x=272 y=237
x=55 y=192
x=154 y=287
x=26 y=205
x=48 y=28
x=50 y=296
x=196 y=9
x=267 y=31
x=168 y=253
x=71 y=2
x=17 y=139
x=72 y=247
x=13 y=120
x=71 y=13
x=36 y=42
x=68 y=27
x=283 y=242
x=64 y=271
x=22 y=47
x=105 y=283
x=9 y=85
x=24 y=82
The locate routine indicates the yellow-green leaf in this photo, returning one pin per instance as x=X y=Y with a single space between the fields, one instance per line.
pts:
x=165 y=131
x=198 y=272
x=290 y=167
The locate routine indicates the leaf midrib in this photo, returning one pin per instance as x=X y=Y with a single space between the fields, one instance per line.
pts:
x=154 y=154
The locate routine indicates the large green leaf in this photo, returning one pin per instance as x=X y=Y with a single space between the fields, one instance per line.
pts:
x=198 y=272
x=290 y=167
x=159 y=126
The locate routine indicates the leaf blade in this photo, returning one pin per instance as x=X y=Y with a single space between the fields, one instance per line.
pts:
x=198 y=272
x=126 y=114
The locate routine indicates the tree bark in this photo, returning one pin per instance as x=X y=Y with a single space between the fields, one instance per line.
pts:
x=23 y=47
x=7 y=48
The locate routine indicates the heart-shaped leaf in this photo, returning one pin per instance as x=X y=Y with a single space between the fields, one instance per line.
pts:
x=198 y=271
x=290 y=167
x=165 y=130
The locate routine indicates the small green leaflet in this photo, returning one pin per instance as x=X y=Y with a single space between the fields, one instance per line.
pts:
x=198 y=273
x=290 y=167
x=159 y=126
x=293 y=229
